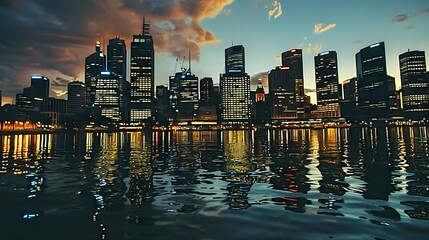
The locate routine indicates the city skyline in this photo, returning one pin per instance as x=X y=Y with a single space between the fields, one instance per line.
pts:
x=55 y=46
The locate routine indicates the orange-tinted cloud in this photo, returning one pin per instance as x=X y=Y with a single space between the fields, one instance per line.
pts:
x=276 y=10
x=55 y=36
x=320 y=28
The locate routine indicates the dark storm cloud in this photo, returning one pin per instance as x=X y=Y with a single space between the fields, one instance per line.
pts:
x=407 y=16
x=40 y=36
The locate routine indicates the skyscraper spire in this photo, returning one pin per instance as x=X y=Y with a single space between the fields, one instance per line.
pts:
x=98 y=43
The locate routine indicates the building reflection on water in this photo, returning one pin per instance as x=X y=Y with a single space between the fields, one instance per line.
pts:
x=192 y=171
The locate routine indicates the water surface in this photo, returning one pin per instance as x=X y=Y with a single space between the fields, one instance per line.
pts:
x=357 y=183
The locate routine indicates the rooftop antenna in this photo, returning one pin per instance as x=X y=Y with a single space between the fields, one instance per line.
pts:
x=189 y=58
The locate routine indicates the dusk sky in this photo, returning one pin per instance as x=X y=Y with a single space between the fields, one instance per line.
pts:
x=54 y=37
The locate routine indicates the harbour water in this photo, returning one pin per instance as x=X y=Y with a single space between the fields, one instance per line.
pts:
x=334 y=183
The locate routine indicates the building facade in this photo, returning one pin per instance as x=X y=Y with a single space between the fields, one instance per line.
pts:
x=292 y=59
x=283 y=89
x=142 y=77
x=94 y=65
x=235 y=102
x=327 y=86
x=415 y=85
x=76 y=97
x=108 y=96
x=375 y=93
x=184 y=87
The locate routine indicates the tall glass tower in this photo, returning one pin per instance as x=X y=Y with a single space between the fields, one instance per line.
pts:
x=94 y=65
x=327 y=87
x=415 y=82
x=142 y=77
x=235 y=99
x=375 y=90
x=292 y=59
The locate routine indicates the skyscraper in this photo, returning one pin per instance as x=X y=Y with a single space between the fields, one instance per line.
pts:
x=40 y=92
x=76 y=97
x=235 y=100
x=142 y=77
x=283 y=90
x=374 y=87
x=234 y=59
x=415 y=82
x=94 y=65
x=117 y=57
x=117 y=63
x=184 y=87
x=292 y=59
x=328 y=97
x=206 y=89
x=108 y=96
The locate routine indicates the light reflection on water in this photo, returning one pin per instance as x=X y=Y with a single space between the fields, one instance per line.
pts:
x=295 y=183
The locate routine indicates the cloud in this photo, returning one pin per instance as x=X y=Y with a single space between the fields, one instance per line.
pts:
x=320 y=28
x=313 y=49
x=227 y=11
x=400 y=18
x=46 y=35
x=276 y=10
x=254 y=79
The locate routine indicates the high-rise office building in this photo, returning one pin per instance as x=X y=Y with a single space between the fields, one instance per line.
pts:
x=234 y=59
x=235 y=99
x=184 y=87
x=94 y=65
x=283 y=91
x=206 y=89
x=292 y=59
x=117 y=63
x=415 y=83
x=117 y=57
x=142 y=77
x=327 y=87
x=375 y=91
x=40 y=92
x=108 y=96
x=76 y=97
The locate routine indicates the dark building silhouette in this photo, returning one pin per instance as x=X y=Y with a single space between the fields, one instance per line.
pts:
x=94 y=65
x=117 y=57
x=293 y=60
x=349 y=102
x=76 y=97
x=117 y=63
x=375 y=93
x=327 y=87
x=415 y=82
x=206 y=89
x=164 y=112
x=142 y=77
x=235 y=100
x=184 y=87
x=284 y=89
x=56 y=108
x=234 y=59
x=40 y=91
x=207 y=107
x=36 y=96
